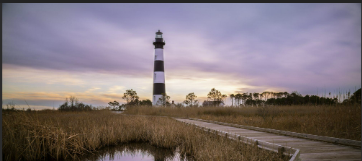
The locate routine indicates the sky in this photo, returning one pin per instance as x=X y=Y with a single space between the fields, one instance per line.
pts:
x=96 y=52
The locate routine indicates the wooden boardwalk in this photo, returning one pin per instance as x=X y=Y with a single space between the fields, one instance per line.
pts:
x=309 y=149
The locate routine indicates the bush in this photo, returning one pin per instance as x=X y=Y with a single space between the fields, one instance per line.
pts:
x=72 y=104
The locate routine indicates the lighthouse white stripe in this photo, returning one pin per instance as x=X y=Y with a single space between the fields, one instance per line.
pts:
x=159 y=77
x=159 y=54
x=155 y=99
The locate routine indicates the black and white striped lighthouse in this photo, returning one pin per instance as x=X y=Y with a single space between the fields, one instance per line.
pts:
x=159 y=72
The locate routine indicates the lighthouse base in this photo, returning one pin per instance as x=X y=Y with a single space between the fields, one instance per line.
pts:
x=155 y=101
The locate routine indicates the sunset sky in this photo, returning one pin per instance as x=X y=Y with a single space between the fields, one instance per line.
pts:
x=96 y=52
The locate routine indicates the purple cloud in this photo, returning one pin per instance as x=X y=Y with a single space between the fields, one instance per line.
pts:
x=291 y=46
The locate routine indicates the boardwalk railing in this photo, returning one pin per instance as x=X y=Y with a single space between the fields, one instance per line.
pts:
x=281 y=150
x=289 y=133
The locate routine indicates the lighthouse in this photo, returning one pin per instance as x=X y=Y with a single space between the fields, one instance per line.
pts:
x=158 y=70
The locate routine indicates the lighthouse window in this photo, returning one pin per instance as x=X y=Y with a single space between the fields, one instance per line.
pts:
x=158 y=36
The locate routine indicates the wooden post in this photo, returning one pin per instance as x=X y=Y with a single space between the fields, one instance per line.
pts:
x=281 y=151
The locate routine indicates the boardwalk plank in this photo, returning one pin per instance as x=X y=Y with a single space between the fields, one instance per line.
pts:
x=310 y=149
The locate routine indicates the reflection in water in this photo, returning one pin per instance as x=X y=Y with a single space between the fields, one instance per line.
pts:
x=136 y=151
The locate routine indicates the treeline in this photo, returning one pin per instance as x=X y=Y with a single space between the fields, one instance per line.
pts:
x=11 y=107
x=294 y=98
x=216 y=98
x=131 y=99
x=73 y=104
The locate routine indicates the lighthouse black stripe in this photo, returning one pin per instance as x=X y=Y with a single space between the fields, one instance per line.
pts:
x=159 y=44
x=158 y=88
x=159 y=66
x=159 y=39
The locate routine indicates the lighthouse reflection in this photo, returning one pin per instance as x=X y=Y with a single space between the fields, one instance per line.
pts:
x=136 y=151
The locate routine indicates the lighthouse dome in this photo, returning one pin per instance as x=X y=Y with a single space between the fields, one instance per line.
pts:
x=158 y=34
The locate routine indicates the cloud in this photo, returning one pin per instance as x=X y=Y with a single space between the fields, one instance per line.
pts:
x=116 y=89
x=234 y=47
x=92 y=90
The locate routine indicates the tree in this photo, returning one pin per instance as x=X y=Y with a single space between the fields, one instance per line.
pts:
x=10 y=106
x=114 y=104
x=186 y=102
x=146 y=102
x=164 y=100
x=256 y=97
x=266 y=95
x=356 y=97
x=285 y=94
x=135 y=102
x=73 y=101
x=216 y=96
x=250 y=98
x=72 y=104
x=131 y=97
x=179 y=105
x=244 y=97
x=232 y=96
x=272 y=94
x=190 y=99
x=224 y=96
x=238 y=98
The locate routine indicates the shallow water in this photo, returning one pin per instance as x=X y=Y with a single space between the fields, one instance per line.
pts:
x=135 y=151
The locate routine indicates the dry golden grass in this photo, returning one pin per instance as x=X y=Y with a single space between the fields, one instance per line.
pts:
x=335 y=121
x=71 y=135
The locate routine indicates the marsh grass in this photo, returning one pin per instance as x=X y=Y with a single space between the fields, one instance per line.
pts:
x=342 y=121
x=54 y=135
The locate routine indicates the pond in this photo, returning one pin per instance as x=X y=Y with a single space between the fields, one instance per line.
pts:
x=136 y=151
